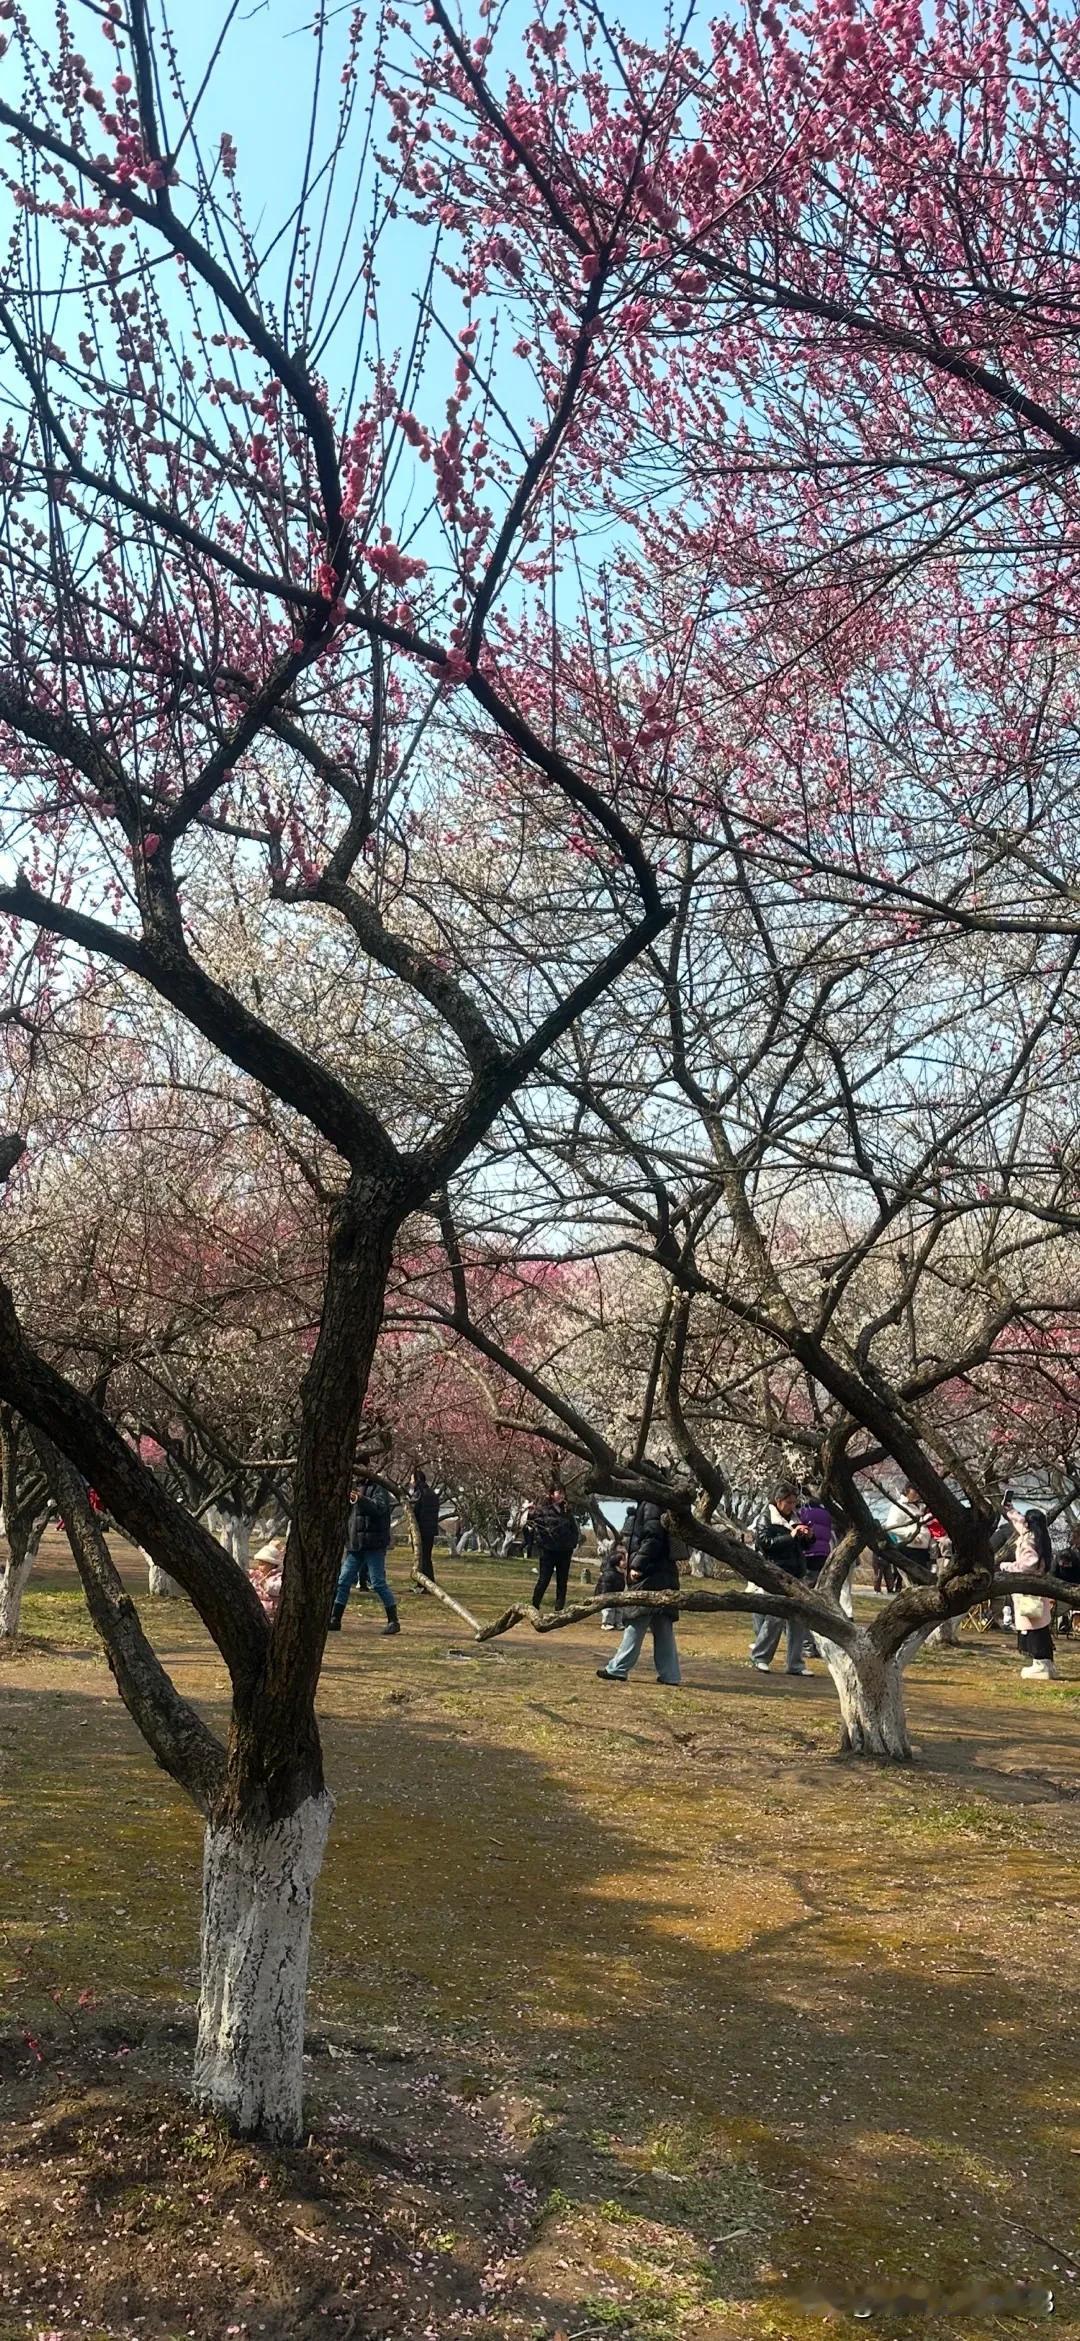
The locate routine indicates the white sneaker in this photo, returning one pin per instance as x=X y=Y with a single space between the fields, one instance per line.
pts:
x=762 y=1665
x=1041 y=1670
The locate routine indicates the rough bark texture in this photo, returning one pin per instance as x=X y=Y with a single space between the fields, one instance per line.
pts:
x=415 y=1539
x=275 y=1760
x=258 y=1884
x=871 y=1694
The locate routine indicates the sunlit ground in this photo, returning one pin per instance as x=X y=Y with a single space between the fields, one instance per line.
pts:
x=633 y=2012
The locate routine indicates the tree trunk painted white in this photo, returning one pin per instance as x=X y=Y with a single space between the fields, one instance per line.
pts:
x=13 y=1579
x=945 y=1636
x=257 y=1893
x=231 y=1531
x=871 y=1694
x=159 y=1582
x=239 y=1541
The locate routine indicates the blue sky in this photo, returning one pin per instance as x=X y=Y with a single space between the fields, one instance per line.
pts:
x=260 y=94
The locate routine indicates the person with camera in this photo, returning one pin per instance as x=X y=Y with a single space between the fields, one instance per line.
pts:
x=786 y=1541
x=652 y=1568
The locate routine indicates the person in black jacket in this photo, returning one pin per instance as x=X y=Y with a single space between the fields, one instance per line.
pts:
x=553 y=1535
x=652 y=1568
x=424 y=1505
x=1067 y=1567
x=366 y=1544
x=612 y=1583
x=785 y=1540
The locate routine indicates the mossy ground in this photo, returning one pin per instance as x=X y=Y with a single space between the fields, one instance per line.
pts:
x=633 y=2013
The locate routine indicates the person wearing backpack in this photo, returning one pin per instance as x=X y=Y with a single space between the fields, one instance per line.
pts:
x=367 y=1540
x=553 y=1535
x=652 y=1566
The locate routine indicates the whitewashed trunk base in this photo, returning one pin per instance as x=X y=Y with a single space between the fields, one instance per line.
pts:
x=160 y=1584
x=239 y=1543
x=13 y=1583
x=257 y=1896
x=233 y=1532
x=871 y=1694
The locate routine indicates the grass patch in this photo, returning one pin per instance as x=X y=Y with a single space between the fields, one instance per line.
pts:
x=57 y=1616
x=635 y=2016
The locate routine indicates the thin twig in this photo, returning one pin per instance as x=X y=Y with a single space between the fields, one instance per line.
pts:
x=1069 y=2258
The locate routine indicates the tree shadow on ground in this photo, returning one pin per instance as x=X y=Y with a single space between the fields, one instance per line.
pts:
x=625 y=2046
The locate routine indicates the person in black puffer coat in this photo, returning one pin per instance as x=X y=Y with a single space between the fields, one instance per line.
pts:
x=424 y=1506
x=652 y=1568
x=367 y=1541
x=1067 y=1567
x=553 y=1536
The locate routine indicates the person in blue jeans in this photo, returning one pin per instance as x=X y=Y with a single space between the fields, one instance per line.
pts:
x=366 y=1547
x=653 y=1567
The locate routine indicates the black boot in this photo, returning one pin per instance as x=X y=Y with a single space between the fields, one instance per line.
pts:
x=393 y=1623
x=335 y=1623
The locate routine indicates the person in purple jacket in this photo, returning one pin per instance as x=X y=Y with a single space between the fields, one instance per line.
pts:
x=816 y=1516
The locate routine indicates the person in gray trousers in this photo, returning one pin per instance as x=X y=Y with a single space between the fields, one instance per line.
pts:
x=785 y=1540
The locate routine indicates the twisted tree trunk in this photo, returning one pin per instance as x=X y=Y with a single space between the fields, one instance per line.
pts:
x=870 y=1688
x=869 y=1675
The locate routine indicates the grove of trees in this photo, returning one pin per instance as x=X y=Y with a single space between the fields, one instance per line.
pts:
x=539 y=817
